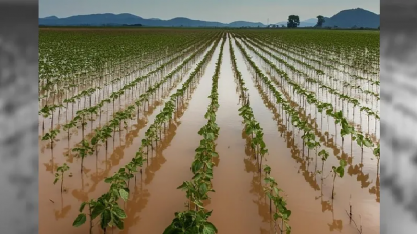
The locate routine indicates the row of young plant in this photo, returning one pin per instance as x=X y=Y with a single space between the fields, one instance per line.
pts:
x=255 y=132
x=362 y=56
x=122 y=79
x=154 y=132
x=48 y=111
x=353 y=81
x=102 y=134
x=335 y=169
x=82 y=114
x=330 y=69
x=373 y=190
x=346 y=128
x=86 y=148
x=59 y=175
x=358 y=82
x=359 y=60
x=293 y=115
x=194 y=220
x=56 y=87
x=321 y=61
x=106 y=206
x=319 y=84
x=79 y=61
x=252 y=127
x=332 y=80
x=341 y=97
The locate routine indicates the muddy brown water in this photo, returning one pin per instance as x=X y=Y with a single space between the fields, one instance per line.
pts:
x=239 y=204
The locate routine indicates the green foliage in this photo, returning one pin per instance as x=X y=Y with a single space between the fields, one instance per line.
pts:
x=320 y=21
x=293 y=21
x=323 y=154
x=273 y=193
x=340 y=170
x=191 y=222
x=195 y=221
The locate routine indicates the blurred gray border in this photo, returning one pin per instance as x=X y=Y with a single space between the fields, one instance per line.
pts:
x=399 y=153
x=18 y=117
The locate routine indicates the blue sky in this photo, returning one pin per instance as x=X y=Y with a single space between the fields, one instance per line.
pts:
x=224 y=11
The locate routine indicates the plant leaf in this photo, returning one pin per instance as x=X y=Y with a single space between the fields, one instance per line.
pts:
x=119 y=212
x=82 y=206
x=97 y=210
x=209 y=228
x=124 y=194
x=80 y=220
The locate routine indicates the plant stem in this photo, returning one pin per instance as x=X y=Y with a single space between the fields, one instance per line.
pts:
x=334 y=178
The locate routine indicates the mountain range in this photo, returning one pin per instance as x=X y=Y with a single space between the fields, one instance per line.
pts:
x=344 y=19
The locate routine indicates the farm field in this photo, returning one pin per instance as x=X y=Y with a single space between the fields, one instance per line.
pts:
x=138 y=124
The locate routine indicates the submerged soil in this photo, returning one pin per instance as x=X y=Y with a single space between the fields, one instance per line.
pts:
x=239 y=204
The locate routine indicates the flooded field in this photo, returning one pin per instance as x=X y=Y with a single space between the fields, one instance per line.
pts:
x=284 y=128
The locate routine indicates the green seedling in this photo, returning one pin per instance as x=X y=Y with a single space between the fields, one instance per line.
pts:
x=191 y=221
x=281 y=211
x=61 y=169
x=323 y=155
x=338 y=171
x=51 y=136
x=376 y=152
x=83 y=151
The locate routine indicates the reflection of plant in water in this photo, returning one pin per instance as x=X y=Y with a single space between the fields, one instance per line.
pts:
x=376 y=189
x=328 y=206
x=63 y=212
x=325 y=205
x=336 y=225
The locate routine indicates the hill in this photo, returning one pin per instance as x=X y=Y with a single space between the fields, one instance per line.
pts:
x=129 y=19
x=354 y=17
x=344 y=19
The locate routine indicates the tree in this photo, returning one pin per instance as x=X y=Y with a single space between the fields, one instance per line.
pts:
x=320 y=21
x=293 y=21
